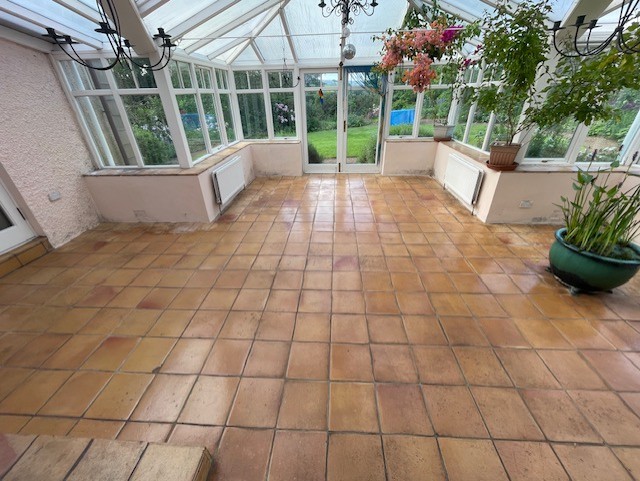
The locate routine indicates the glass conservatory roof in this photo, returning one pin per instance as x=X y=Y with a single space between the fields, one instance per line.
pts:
x=243 y=32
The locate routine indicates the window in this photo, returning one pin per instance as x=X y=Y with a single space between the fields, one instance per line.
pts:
x=203 y=75
x=282 y=103
x=150 y=129
x=464 y=107
x=82 y=78
x=248 y=79
x=130 y=76
x=435 y=108
x=221 y=78
x=551 y=143
x=188 y=106
x=210 y=117
x=227 y=115
x=180 y=74
x=253 y=115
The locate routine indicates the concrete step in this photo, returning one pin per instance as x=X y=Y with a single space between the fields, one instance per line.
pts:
x=52 y=458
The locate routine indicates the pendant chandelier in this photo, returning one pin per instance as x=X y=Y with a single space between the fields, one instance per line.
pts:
x=109 y=25
x=345 y=8
x=628 y=14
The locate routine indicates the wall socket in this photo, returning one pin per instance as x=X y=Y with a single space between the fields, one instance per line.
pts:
x=526 y=204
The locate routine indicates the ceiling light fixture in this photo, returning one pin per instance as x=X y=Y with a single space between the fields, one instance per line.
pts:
x=110 y=26
x=628 y=13
x=345 y=8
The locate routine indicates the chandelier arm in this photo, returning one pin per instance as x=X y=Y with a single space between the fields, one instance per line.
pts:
x=152 y=67
x=626 y=47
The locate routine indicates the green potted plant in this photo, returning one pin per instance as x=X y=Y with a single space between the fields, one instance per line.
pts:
x=516 y=45
x=594 y=251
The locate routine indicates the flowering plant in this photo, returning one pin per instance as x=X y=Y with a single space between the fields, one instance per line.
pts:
x=427 y=35
x=284 y=114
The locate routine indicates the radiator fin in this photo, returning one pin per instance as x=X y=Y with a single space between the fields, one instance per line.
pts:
x=228 y=181
x=463 y=179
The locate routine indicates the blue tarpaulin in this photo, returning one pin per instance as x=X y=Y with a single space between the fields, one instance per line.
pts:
x=404 y=116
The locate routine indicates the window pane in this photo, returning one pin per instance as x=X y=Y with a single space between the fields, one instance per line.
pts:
x=461 y=117
x=312 y=80
x=82 y=78
x=150 y=129
x=145 y=77
x=221 y=77
x=606 y=138
x=284 y=120
x=255 y=79
x=253 y=116
x=552 y=143
x=185 y=73
x=123 y=75
x=175 y=74
x=500 y=129
x=282 y=79
x=204 y=78
x=208 y=104
x=191 y=123
x=435 y=108
x=107 y=130
x=403 y=112
x=225 y=100
x=242 y=83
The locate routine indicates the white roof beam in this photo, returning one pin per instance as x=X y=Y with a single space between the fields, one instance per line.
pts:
x=148 y=6
x=257 y=51
x=35 y=18
x=237 y=53
x=133 y=28
x=257 y=31
x=233 y=25
x=24 y=39
x=226 y=48
x=447 y=7
x=201 y=17
x=81 y=9
x=287 y=32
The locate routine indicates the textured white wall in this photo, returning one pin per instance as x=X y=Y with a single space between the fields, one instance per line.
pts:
x=41 y=145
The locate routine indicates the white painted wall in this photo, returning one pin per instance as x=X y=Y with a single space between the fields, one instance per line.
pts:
x=408 y=157
x=41 y=147
x=277 y=158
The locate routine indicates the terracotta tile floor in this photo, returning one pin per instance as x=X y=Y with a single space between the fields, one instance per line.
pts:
x=328 y=327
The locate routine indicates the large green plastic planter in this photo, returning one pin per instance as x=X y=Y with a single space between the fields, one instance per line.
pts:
x=585 y=271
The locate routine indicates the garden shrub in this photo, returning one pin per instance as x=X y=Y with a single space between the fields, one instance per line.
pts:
x=368 y=153
x=314 y=155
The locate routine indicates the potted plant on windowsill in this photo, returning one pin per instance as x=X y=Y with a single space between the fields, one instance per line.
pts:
x=516 y=44
x=594 y=251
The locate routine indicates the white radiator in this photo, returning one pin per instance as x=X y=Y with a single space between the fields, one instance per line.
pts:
x=228 y=180
x=463 y=178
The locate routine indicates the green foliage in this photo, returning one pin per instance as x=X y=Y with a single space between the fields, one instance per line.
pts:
x=583 y=89
x=601 y=218
x=368 y=152
x=401 y=129
x=548 y=145
x=154 y=150
x=515 y=43
x=314 y=156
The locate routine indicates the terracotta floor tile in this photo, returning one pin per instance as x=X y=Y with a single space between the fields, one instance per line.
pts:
x=393 y=363
x=526 y=369
x=558 y=417
x=346 y=281
x=10 y=424
x=111 y=353
x=243 y=454
x=129 y=297
x=630 y=458
x=380 y=302
x=593 y=463
x=347 y=302
x=437 y=365
x=276 y=326
x=615 y=369
x=554 y=306
x=227 y=357
x=312 y=327
x=386 y=329
x=517 y=305
x=412 y=457
x=163 y=400
x=75 y=396
x=349 y=328
x=308 y=361
x=467 y=459
x=137 y=322
x=33 y=393
x=448 y=304
x=90 y=428
x=148 y=355
x=196 y=436
x=402 y=410
x=437 y=281
x=463 y=331
x=571 y=370
x=453 y=412
x=298 y=455
x=352 y=407
x=376 y=281
x=159 y=298
x=171 y=323
x=12 y=378
x=118 y=399
x=36 y=351
x=149 y=432
x=481 y=367
x=498 y=283
x=241 y=325
x=619 y=333
x=530 y=461
x=502 y=332
x=423 y=330
x=229 y=279
x=315 y=301
x=614 y=421
x=355 y=456
x=581 y=334
x=351 y=362
x=220 y=299
x=283 y=301
x=259 y=279
x=48 y=426
x=189 y=298
x=251 y=300
x=246 y=412
x=542 y=334
x=267 y=359
x=210 y=400
x=414 y=303
x=304 y=405
x=187 y=356
x=99 y=296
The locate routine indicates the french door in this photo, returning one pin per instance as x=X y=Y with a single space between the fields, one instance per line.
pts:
x=14 y=229
x=342 y=122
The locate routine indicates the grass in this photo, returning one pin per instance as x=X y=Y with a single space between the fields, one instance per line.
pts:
x=325 y=140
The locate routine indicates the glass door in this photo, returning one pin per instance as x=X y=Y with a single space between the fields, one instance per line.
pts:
x=322 y=90
x=363 y=104
x=14 y=229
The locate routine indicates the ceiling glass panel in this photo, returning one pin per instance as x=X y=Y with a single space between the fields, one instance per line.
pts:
x=62 y=15
x=175 y=12
x=247 y=57
x=272 y=43
x=229 y=39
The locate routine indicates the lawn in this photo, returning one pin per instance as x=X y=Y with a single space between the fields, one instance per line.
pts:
x=325 y=140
